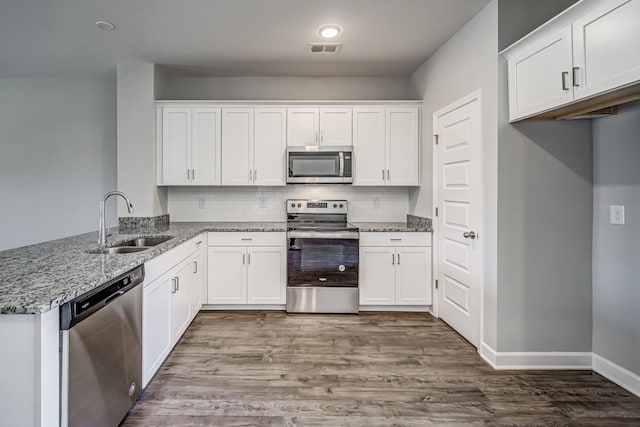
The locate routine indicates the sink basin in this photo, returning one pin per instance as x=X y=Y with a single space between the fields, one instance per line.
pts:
x=132 y=246
x=118 y=250
x=146 y=241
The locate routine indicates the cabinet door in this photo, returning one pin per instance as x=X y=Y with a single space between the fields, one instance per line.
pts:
x=606 y=48
x=335 y=126
x=269 y=146
x=205 y=147
x=403 y=146
x=540 y=76
x=197 y=278
x=377 y=276
x=176 y=146
x=181 y=301
x=302 y=126
x=227 y=275
x=369 y=145
x=266 y=275
x=237 y=143
x=413 y=276
x=156 y=325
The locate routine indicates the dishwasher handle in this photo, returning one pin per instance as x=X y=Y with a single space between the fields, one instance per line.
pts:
x=79 y=308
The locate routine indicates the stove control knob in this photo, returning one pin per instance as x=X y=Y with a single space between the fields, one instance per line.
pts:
x=293 y=205
x=341 y=205
x=335 y=205
x=299 y=205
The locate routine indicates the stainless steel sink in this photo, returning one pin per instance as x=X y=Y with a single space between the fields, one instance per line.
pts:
x=132 y=246
x=118 y=250
x=146 y=241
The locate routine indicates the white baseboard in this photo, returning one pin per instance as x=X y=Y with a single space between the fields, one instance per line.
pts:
x=243 y=307
x=535 y=359
x=616 y=373
x=408 y=308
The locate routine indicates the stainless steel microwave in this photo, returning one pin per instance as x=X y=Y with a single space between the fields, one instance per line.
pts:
x=319 y=165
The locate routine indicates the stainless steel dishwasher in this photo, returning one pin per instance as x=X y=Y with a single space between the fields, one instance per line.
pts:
x=101 y=364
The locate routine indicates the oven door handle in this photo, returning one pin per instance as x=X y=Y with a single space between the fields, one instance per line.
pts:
x=353 y=235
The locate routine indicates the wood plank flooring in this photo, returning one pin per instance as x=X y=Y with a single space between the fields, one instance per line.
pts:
x=374 y=369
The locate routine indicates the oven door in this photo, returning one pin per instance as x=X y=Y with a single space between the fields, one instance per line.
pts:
x=322 y=259
x=318 y=166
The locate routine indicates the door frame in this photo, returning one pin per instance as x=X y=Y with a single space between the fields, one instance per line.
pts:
x=475 y=95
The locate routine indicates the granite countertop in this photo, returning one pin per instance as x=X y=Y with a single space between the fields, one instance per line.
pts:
x=391 y=227
x=37 y=278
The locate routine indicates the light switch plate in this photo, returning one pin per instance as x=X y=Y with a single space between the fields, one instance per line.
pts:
x=616 y=214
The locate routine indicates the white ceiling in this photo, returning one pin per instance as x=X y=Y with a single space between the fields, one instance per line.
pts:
x=225 y=37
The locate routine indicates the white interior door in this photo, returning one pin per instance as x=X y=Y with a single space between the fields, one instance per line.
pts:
x=458 y=199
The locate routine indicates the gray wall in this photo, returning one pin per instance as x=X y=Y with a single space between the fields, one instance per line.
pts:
x=285 y=88
x=544 y=216
x=465 y=63
x=616 y=252
x=57 y=156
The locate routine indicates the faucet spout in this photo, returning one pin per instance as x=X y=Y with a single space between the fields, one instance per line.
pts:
x=102 y=230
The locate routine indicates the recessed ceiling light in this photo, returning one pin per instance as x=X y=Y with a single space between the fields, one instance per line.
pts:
x=329 y=31
x=104 y=25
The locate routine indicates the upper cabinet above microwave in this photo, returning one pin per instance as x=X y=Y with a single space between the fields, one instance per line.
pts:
x=582 y=60
x=329 y=126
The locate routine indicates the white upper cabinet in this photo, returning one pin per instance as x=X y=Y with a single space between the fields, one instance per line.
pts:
x=589 y=50
x=190 y=146
x=269 y=146
x=387 y=146
x=237 y=145
x=403 y=146
x=319 y=126
x=540 y=75
x=606 y=52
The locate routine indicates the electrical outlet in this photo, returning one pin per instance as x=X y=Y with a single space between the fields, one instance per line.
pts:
x=201 y=203
x=263 y=202
x=616 y=214
x=376 y=203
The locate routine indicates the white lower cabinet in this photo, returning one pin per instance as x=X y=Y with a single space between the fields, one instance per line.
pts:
x=246 y=268
x=171 y=298
x=395 y=275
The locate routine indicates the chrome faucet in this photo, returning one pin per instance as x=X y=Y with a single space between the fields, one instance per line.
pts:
x=102 y=231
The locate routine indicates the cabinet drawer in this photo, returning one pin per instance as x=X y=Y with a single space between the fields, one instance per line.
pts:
x=164 y=262
x=395 y=239
x=239 y=238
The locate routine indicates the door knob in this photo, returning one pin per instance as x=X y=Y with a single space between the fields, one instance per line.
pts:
x=470 y=235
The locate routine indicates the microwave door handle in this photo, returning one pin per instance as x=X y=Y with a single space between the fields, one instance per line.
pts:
x=341 y=156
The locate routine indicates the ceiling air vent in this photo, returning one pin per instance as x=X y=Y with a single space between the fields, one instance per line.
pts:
x=324 y=47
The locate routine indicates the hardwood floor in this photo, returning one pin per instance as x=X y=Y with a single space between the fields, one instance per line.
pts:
x=374 y=369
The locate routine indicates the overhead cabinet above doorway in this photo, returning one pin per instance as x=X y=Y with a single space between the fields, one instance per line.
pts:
x=213 y=143
x=584 y=59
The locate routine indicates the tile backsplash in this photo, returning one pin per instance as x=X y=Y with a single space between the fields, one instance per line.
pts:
x=268 y=203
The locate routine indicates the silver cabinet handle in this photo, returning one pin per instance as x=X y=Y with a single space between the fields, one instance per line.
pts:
x=321 y=136
x=565 y=74
x=188 y=174
x=246 y=239
x=316 y=137
x=398 y=259
x=173 y=285
x=575 y=77
x=193 y=174
x=383 y=174
x=469 y=235
x=388 y=175
x=195 y=266
x=177 y=283
x=250 y=175
x=198 y=242
x=255 y=174
x=248 y=258
x=393 y=259
x=243 y=255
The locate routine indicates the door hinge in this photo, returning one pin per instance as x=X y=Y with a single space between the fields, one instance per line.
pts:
x=436 y=211
x=436 y=136
x=436 y=283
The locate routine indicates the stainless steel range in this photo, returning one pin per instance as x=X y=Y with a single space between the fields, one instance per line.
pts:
x=322 y=258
